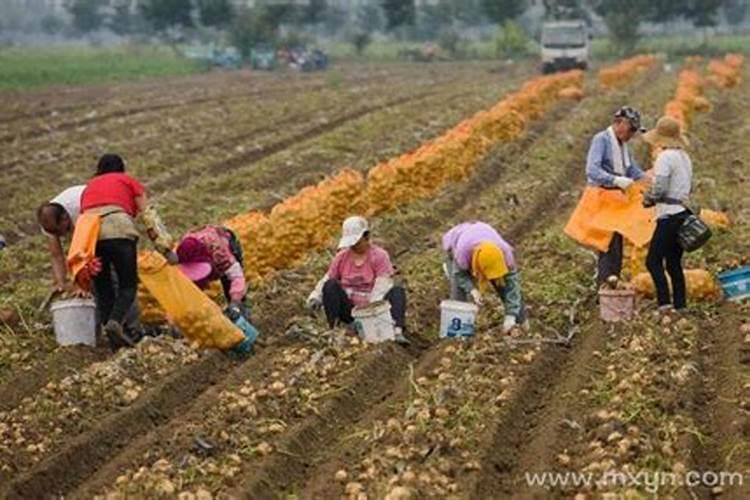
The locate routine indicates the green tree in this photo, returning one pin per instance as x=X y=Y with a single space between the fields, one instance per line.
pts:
x=565 y=9
x=623 y=20
x=511 y=40
x=249 y=28
x=315 y=12
x=52 y=24
x=399 y=13
x=735 y=11
x=369 y=18
x=360 y=40
x=661 y=11
x=703 y=12
x=164 y=14
x=123 y=20
x=87 y=14
x=216 y=13
x=500 y=10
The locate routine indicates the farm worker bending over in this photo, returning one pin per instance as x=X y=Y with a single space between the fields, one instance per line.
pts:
x=109 y=204
x=604 y=212
x=212 y=253
x=477 y=256
x=57 y=219
x=361 y=273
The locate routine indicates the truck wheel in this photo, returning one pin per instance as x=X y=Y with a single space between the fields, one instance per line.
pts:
x=583 y=66
x=548 y=68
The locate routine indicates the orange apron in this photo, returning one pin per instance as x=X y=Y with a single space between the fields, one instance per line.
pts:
x=603 y=212
x=83 y=263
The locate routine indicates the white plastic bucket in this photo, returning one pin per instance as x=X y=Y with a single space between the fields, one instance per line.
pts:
x=457 y=318
x=74 y=321
x=373 y=322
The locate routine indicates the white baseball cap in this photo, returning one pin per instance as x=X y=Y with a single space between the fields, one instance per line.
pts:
x=352 y=231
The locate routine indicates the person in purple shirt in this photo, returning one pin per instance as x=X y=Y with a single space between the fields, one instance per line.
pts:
x=610 y=165
x=476 y=255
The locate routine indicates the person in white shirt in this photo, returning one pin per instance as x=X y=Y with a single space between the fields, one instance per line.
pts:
x=670 y=193
x=57 y=219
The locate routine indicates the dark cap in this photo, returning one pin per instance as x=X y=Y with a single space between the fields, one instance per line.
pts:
x=631 y=115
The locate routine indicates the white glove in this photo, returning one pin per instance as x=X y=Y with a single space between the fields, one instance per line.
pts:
x=476 y=296
x=622 y=182
x=508 y=324
x=313 y=303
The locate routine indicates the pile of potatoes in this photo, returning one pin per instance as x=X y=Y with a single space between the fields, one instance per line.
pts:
x=421 y=173
x=688 y=99
x=725 y=73
x=622 y=73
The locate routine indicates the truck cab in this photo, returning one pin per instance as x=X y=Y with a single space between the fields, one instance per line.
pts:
x=565 y=45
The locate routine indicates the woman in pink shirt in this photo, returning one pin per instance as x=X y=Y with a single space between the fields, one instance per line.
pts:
x=211 y=253
x=360 y=274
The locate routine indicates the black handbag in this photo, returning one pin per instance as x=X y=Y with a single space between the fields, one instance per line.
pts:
x=693 y=233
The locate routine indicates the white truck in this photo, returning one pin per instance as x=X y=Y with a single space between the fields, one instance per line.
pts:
x=565 y=45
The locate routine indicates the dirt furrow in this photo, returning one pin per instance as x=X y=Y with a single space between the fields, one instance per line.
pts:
x=202 y=366
x=326 y=459
x=722 y=352
x=245 y=159
x=84 y=454
x=41 y=131
x=385 y=379
x=171 y=181
x=551 y=204
x=57 y=365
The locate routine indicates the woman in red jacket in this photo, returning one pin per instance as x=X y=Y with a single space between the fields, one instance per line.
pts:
x=118 y=199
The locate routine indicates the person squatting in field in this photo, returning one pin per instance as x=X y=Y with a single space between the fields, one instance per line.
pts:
x=360 y=274
x=477 y=257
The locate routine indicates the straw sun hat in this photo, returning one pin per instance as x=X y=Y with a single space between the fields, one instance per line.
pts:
x=666 y=134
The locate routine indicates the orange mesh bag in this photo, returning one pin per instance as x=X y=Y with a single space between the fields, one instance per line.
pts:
x=699 y=284
x=254 y=231
x=186 y=306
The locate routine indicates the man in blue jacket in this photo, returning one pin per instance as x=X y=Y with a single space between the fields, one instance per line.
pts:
x=610 y=165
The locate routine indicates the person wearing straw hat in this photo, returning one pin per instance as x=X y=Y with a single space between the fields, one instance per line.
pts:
x=477 y=257
x=211 y=253
x=669 y=193
x=360 y=274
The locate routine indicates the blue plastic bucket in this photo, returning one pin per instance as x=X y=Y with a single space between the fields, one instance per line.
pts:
x=736 y=283
x=250 y=333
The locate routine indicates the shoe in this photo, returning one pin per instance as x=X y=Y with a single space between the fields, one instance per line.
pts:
x=399 y=338
x=117 y=336
x=526 y=326
x=508 y=324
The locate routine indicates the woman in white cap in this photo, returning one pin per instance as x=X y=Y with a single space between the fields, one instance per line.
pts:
x=673 y=171
x=361 y=273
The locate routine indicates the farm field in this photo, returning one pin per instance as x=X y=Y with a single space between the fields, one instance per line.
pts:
x=313 y=415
